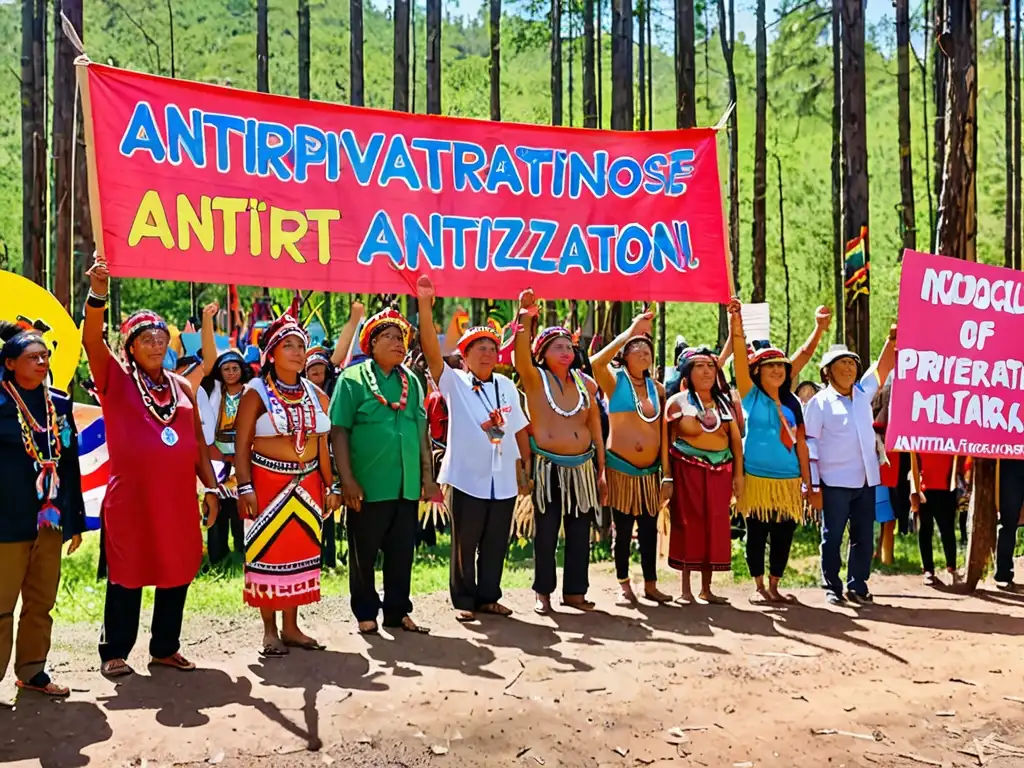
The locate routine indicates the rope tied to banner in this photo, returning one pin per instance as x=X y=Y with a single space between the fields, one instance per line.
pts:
x=81 y=60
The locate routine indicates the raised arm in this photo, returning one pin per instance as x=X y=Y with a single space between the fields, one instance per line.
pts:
x=601 y=362
x=96 y=349
x=522 y=355
x=887 y=359
x=348 y=333
x=743 y=381
x=209 y=342
x=822 y=319
x=428 y=333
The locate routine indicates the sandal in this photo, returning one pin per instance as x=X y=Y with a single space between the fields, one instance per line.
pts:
x=309 y=644
x=495 y=609
x=658 y=597
x=372 y=629
x=684 y=600
x=408 y=625
x=712 y=600
x=273 y=651
x=580 y=605
x=542 y=607
x=51 y=689
x=116 y=668
x=465 y=617
x=177 y=661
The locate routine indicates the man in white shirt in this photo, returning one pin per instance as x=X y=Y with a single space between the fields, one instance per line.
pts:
x=486 y=463
x=844 y=465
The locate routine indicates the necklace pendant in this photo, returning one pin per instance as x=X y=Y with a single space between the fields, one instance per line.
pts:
x=169 y=437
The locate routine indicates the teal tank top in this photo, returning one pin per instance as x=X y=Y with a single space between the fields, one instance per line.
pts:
x=764 y=453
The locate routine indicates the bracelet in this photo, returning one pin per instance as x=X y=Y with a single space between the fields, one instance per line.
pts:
x=334 y=490
x=244 y=488
x=95 y=300
x=208 y=491
x=666 y=480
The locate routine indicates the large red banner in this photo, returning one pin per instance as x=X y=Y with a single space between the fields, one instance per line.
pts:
x=210 y=184
x=959 y=375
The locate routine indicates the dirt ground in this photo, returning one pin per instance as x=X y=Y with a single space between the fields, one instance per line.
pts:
x=921 y=678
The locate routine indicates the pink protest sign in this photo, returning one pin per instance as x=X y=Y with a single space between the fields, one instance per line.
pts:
x=959 y=379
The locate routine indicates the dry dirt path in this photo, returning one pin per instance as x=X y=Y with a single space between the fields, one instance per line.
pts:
x=910 y=681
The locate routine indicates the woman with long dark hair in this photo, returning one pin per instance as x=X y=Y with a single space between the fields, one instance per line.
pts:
x=284 y=468
x=151 y=535
x=221 y=394
x=42 y=507
x=775 y=460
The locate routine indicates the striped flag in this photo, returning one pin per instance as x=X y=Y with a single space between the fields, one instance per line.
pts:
x=93 y=460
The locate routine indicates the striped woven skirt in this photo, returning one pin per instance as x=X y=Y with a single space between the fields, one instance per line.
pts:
x=283 y=543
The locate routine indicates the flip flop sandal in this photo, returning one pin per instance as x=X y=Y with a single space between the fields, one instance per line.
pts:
x=307 y=645
x=409 y=626
x=272 y=651
x=495 y=609
x=681 y=600
x=713 y=600
x=374 y=630
x=177 y=661
x=51 y=689
x=465 y=617
x=116 y=668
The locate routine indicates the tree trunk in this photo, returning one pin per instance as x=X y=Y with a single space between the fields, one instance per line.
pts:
x=641 y=68
x=728 y=41
x=939 y=135
x=400 y=100
x=855 y=157
x=785 y=263
x=556 y=62
x=1018 y=211
x=262 y=48
x=650 y=66
x=571 y=40
x=906 y=159
x=33 y=143
x=303 y=13
x=760 y=242
x=622 y=101
x=926 y=117
x=600 y=77
x=1008 y=217
x=589 y=80
x=686 y=66
x=837 y=173
x=355 y=53
x=495 y=68
x=433 y=57
x=63 y=136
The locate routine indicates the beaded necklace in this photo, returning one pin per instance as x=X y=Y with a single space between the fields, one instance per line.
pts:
x=163 y=412
x=294 y=403
x=47 y=482
x=639 y=406
x=371 y=379
x=581 y=389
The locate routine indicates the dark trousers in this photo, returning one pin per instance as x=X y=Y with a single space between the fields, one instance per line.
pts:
x=856 y=507
x=228 y=527
x=759 y=534
x=899 y=497
x=576 y=563
x=480 y=536
x=388 y=527
x=1011 y=499
x=647 y=538
x=333 y=532
x=940 y=510
x=121 y=621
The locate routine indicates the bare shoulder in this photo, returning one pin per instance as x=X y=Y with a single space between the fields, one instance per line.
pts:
x=590 y=384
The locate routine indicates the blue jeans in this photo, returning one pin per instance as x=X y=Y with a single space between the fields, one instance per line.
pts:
x=855 y=506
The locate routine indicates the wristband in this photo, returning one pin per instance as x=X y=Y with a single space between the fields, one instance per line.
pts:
x=208 y=491
x=244 y=488
x=335 y=490
x=666 y=480
x=95 y=300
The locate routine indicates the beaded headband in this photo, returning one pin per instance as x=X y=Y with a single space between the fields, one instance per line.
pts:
x=278 y=331
x=768 y=355
x=476 y=334
x=317 y=356
x=138 y=323
x=380 y=321
x=547 y=336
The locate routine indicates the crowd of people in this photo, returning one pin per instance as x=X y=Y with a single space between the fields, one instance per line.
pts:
x=300 y=436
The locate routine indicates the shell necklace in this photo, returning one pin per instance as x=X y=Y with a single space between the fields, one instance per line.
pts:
x=639 y=406
x=581 y=389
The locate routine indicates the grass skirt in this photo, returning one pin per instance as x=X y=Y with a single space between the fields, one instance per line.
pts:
x=770 y=499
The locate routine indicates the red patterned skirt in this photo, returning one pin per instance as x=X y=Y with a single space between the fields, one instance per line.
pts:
x=700 y=537
x=283 y=543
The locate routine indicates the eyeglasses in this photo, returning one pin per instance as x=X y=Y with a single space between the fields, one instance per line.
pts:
x=152 y=340
x=392 y=336
x=39 y=358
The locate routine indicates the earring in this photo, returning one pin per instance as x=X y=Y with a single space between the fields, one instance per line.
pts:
x=271 y=358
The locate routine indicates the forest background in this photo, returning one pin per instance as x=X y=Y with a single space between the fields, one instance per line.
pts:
x=214 y=41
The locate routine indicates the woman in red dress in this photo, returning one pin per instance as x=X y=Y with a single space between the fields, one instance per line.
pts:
x=151 y=534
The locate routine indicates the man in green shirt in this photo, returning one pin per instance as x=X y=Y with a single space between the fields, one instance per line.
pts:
x=379 y=435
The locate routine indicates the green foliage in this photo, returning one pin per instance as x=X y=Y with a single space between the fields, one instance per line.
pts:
x=215 y=42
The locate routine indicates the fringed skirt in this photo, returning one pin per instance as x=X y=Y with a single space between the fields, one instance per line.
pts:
x=771 y=500
x=631 y=490
x=576 y=483
x=283 y=543
x=700 y=538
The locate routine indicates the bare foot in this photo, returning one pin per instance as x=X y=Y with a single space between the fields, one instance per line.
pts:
x=707 y=597
x=684 y=599
x=777 y=597
x=655 y=594
x=627 y=597
x=299 y=639
x=760 y=596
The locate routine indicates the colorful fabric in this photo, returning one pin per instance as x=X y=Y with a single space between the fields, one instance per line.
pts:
x=632 y=490
x=377 y=323
x=143 y=320
x=623 y=398
x=769 y=445
x=318 y=356
x=700 y=537
x=476 y=334
x=278 y=331
x=577 y=483
x=384 y=443
x=768 y=355
x=702 y=456
x=547 y=336
x=283 y=543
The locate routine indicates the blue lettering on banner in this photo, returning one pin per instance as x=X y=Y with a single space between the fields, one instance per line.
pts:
x=546 y=233
x=418 y=239
x=503 y=171
x=311 y=149
x=575 y=252
x=224 y=127
x=625 y=261
x=398 y=165
x=185 y=136
x=362 y=162
x=142 y=135
x=604 y=234
x=459 y=226
x=380 y=239
x=503 y=258
x=273 y=144
x=466 y=172
x=433 y=149
x=535 y=160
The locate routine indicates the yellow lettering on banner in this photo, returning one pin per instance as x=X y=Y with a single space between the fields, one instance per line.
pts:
x=284 y=240
x=190 y=222
x=151 y=221
x=255 y=226
x=230 y=207
x=323 y=218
